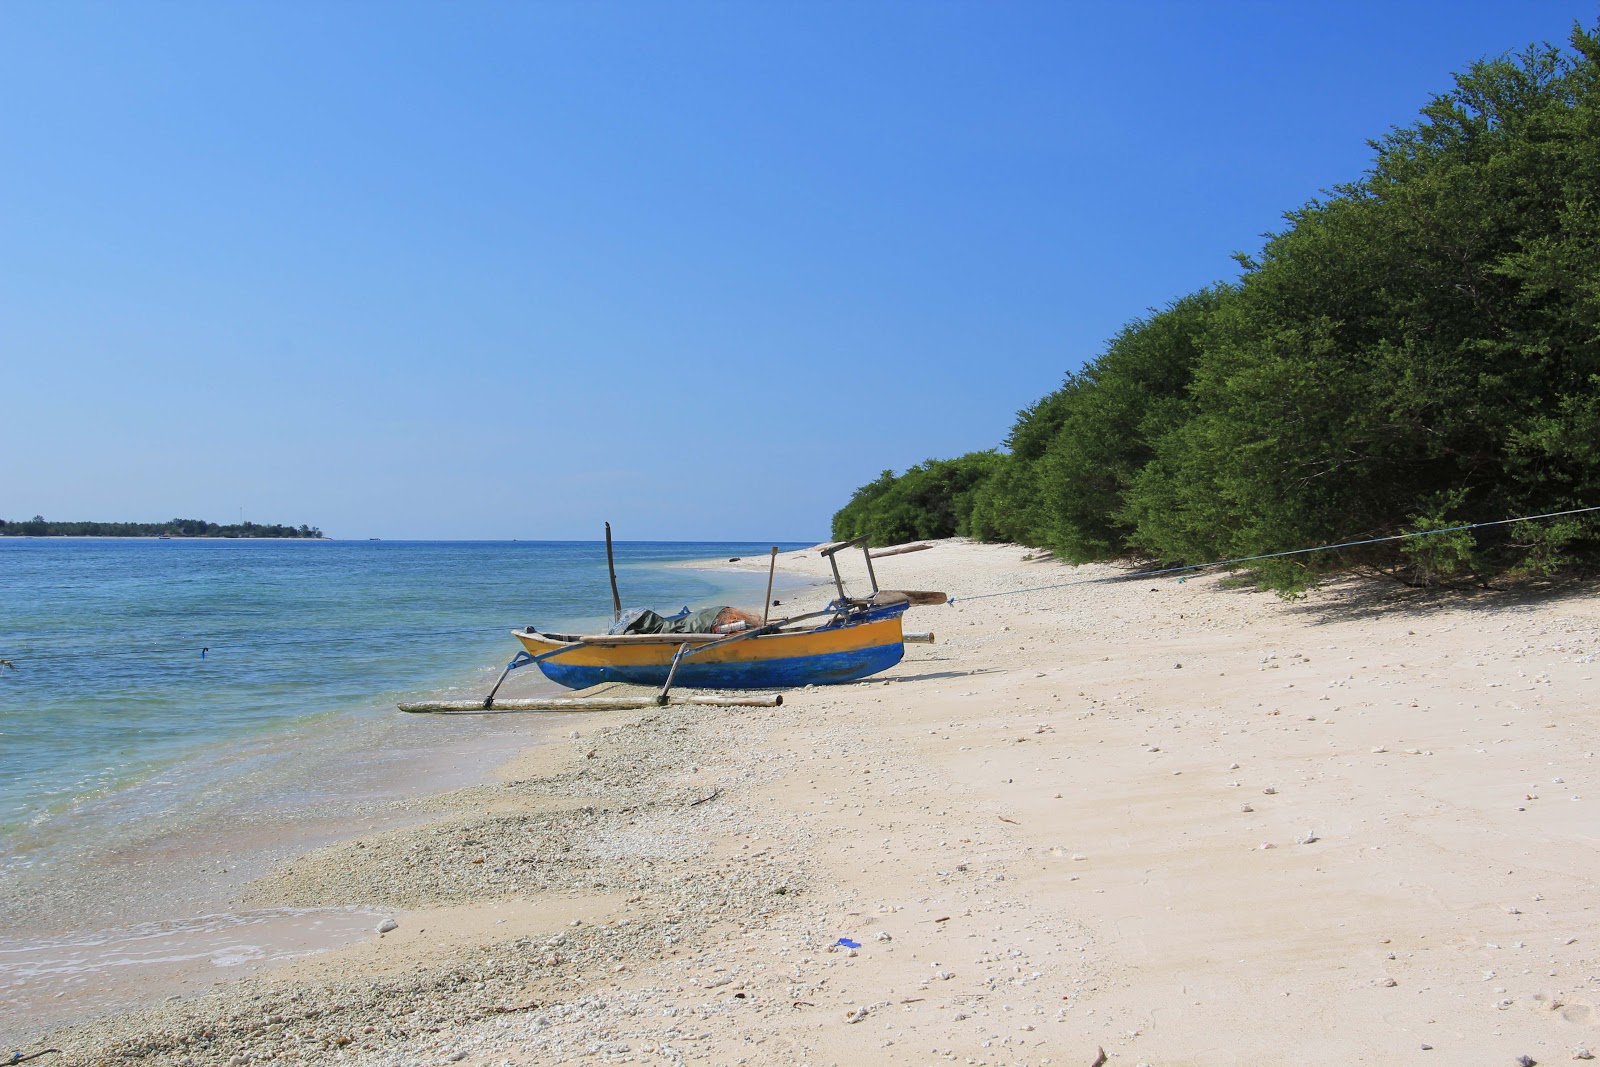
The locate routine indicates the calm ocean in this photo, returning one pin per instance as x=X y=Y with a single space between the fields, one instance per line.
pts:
x=182 y=712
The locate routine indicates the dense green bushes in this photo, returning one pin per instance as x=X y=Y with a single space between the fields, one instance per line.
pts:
x=932 y=499
x=1420 y=349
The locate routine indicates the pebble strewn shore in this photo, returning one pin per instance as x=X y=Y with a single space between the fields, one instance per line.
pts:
x=1185 y=823
x=637 y=815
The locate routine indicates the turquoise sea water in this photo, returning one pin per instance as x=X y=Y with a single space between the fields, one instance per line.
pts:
x=140 y=778
x=107 y=635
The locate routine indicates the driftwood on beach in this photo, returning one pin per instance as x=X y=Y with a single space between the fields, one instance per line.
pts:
x=465 y=707
x=899 y=550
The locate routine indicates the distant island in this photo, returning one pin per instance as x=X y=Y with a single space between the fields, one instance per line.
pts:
x=38 y=526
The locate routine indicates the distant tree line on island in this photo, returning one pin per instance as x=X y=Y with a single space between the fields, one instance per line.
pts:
x=1418 y=350
x=38 y=526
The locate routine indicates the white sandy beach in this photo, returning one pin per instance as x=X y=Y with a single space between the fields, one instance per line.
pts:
x=1184 y=822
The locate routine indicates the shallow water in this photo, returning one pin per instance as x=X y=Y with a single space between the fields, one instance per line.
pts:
x=143 y=782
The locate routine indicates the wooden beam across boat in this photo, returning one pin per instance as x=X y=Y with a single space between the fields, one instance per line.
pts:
x=612 y=640
x=619 y=640
x=629 y=703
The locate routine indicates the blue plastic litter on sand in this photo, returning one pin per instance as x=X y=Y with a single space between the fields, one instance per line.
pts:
x=847 y=943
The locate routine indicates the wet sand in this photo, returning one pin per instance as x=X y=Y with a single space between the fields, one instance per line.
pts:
x=151 y=906
x=1183 y=822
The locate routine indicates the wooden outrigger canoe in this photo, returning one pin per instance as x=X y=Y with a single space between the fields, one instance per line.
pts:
x=853 y=637
x=855 y=641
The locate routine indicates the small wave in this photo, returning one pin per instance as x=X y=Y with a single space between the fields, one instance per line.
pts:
x=212 y=938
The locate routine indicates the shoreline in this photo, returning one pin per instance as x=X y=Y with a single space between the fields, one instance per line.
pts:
x=151 y=907
x=152 y=901
x=1185 y=822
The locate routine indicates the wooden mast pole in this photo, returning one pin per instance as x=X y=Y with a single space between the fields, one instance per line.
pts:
x=611 y=568
x=766 y=605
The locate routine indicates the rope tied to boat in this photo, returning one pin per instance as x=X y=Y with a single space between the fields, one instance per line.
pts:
x=18 y=1057
x=1161 y=571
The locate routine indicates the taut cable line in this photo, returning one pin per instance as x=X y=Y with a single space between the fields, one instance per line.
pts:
x=1272 y=555
x=15 y=661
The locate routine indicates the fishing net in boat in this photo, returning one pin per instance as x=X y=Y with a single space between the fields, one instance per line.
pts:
x=717 y=620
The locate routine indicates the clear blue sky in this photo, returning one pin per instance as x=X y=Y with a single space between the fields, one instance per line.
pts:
x=481 y=270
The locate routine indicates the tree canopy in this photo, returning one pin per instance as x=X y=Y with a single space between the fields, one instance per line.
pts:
x=1419 y=348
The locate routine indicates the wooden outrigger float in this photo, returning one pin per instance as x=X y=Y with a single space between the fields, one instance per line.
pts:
x=596 y=703
x=852 y=638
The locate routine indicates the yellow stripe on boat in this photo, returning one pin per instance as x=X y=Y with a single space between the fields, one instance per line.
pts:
x=751 y=650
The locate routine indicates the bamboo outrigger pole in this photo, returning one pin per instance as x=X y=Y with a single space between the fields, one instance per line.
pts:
x=470 y=707
x=611 y=568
